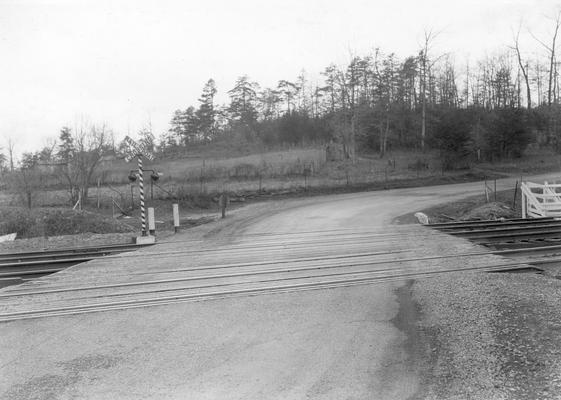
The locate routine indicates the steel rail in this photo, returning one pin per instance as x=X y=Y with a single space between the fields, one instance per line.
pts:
x=201 y=268
x=510 y=228
x=44 y=271
x=497 y=237
x=492 y=221
x=158 y=254
x=76 y=260
x=73 y=250
x=504 y=266
x=257 y=264
x=232 y=249
x=506 y=252
x=125 y=304
x=23 y=257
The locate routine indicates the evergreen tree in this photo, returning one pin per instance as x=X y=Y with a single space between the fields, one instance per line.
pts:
x=66 y=147
x=243 y=100
x=206 y=114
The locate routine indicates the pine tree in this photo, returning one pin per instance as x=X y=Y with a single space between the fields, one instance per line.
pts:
x=66 y=147
x=206 y=113
x=243 y=99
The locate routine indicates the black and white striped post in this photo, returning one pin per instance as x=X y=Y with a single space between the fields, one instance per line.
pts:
x=141 y=189
x=138 y=150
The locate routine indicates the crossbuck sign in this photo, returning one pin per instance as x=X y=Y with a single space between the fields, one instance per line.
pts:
x=139 y=150
x=136 y=149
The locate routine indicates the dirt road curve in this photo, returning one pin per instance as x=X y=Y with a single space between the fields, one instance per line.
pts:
x=227 y=311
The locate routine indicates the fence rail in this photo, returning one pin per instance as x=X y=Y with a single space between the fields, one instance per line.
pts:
x=541 y=200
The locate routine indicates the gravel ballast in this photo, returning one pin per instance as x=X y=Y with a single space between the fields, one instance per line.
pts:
x=491 y=336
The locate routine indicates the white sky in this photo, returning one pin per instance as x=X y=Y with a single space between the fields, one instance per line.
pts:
x=128 y=62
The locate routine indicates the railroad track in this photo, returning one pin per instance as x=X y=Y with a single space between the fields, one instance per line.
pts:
x=17 y=268
x=255 y=265
x=539 y=238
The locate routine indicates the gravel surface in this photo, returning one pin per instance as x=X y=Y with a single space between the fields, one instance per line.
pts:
x=491 y=336
x=482 y=336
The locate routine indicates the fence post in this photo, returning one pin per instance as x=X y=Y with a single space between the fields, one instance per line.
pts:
x=223 y=203
x=151 y=221
x=175 y=217
x=98 y=189
x=132 y=196
x=386 y=177
x=524 y=201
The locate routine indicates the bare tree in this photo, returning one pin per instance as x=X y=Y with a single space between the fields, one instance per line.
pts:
x=523 y=67
x=552 y=61
x=79 y=156
x=3 y=160
x=426 y=65
x=26 y=183
x=11 y=146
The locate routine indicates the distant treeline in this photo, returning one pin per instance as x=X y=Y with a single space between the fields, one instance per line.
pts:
x=490 y=110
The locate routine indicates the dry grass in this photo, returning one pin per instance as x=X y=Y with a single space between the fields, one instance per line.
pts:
x=278 y=163
x=195 y=179
x=198 y=178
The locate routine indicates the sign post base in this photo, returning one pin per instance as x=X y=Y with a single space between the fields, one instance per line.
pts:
x=145 y=239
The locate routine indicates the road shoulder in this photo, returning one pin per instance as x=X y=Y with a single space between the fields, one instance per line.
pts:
x=491 y=335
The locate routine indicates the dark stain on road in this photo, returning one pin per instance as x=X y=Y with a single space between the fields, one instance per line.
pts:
x=420 y=358
x=55 y=386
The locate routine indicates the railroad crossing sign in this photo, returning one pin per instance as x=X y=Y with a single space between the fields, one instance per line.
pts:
x=139 y=150
x=135 y=149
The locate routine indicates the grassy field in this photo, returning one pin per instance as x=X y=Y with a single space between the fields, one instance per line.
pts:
x=196 y=168
x=289 y=170
x=196 y=181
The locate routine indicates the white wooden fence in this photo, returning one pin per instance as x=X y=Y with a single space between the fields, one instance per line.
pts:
x=541 y=200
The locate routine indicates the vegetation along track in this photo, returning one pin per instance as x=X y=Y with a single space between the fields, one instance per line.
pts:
x=256 y=264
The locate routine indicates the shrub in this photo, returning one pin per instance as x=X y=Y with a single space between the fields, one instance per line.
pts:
x=507 y=134
x=452 y=137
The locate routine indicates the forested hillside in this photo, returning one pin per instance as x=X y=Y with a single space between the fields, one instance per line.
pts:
x=489 y=109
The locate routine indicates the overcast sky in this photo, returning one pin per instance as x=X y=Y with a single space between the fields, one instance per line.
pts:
x=130 y=62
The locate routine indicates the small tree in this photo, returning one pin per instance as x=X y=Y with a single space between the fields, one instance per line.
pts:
x=79 y=155
x=26 y=182
x=206 y=114
x=3 y=162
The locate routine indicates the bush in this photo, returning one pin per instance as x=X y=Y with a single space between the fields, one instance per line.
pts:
x=19 y=221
